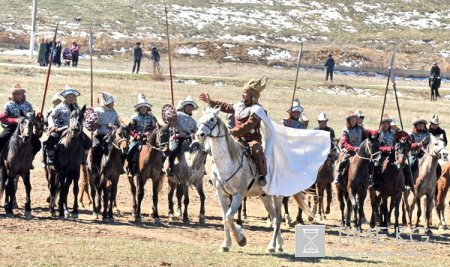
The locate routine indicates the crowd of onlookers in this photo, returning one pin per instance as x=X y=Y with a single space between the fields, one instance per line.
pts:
x=49 y=51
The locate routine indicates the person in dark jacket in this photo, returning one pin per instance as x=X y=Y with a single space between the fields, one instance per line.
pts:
x=155 y=59
x=57 y=54
x=137 y=52
x=48 y=51
x=322 y=120
x=42 y=52
x=435 y=79
x=436 y=130
x=75 y=50
x=329 y=65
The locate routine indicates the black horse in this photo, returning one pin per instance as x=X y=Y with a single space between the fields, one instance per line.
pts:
x=434 y=82
x=68 y=157
x=16 y=161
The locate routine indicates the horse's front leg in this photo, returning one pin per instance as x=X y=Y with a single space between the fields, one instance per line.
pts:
x=27 y=184
x=202 y=196
x=10 y=196
x=105 y=191
x=329 y=198
x=76 y=190
x=287 y=217
x=172 y=187
x=157 y=186
x=277 y=238
x=66 y=195
x=428 y=213
x=133 y=194
x=235 y=230
x=396 y=210
x=419 y=211
x=186 y=203
x=225 y=204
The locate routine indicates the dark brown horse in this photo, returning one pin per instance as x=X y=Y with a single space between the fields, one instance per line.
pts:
x=391 y=184
x=149 y=166
x=104 y=185
x=442 y=189
x=353 y=191
x=16 y=161
x=69 y=153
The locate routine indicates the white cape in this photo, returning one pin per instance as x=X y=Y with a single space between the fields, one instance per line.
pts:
x=293 y=156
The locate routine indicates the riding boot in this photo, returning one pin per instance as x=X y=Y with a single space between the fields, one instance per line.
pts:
x=262 y=181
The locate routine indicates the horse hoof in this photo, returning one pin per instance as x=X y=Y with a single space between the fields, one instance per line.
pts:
x=186 y=221
x=9 y=215
x=157 y=221
x=280 y=250
x=74 y=215
x=201 y=219
x=428 y=231
x=224 y=249
x=28 y=214
x=270 y=250
x=243 y=242
x=310 y=219
x=53 y=214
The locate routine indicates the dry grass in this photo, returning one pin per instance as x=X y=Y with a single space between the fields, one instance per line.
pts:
x=45 y=241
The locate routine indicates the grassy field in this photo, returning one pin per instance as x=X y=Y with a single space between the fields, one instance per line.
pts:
x=46 y=241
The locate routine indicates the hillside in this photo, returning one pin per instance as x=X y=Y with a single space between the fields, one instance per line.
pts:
x=420 y=29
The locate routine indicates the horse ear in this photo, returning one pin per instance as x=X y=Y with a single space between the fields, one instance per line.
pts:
x=216 y=111
x=83 y=109
x=21 y=113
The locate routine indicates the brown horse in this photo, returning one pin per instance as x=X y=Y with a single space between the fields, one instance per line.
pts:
x=442 y=189
x=16 y=161
x=149 y=166
x=104 y=185
x=425 y=181
x=391 y=184
x=353 y=191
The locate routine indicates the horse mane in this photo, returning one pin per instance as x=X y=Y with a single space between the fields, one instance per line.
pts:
x=234 y=148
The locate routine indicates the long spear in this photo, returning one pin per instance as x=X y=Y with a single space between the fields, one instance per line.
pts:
x=391 y=65
x=170 y=58
x=394 y=85
x=300 y=53
x=92 y=72
x=49 y=68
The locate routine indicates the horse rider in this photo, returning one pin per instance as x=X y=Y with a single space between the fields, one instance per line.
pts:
x=435 y=128
x=58 y=122
x=142 y=125
x=294 y=116
x=183 y=133
x=108 y=121
x=56 y=100
x=352 y=136
x=420 y=137
x=247 y=123
x=11 y=112
x=322 y=120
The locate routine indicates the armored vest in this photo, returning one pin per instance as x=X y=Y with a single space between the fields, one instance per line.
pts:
x=60 y=115
x=12 y=108
x=241 y=114
x=294 y=124
x=387 y=138
x=354 y=135
x=186 y=125
x=106 y=116
x=143 y=123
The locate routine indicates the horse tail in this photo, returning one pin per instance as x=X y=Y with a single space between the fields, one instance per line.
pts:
x=300 y=199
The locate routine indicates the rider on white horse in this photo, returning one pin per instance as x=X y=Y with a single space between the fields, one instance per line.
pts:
x=247 y=122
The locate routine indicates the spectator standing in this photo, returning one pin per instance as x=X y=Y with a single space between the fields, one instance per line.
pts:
x=75 y=50
x=137 y=52
x=155 y=60
x=329 y=67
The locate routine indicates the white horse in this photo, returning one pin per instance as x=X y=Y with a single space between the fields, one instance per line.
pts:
x=235 y=175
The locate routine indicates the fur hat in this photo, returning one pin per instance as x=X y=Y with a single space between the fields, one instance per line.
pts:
x=185 y=102
x=142 y=102
x=255 y=86
x=386 y=118
x=69 y=91
x=106 y=99
x=322 y=117
x=419 y=120
x=296 y=106
x=435 y=119
x=350 y=115
x=17 y=88
x=56 y=99
x=360 y=114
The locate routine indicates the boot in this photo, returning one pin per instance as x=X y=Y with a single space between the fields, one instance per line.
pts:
x=262 y=181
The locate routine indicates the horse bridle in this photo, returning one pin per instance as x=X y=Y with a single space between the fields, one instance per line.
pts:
x=21 y=129
x=213 y=127
x=372 y=155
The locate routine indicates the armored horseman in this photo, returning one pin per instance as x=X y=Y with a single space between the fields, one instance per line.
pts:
x=294 y=116
x=11 y=112
x=141 y=126
x=58 y=122
x=352 y=136
x=247 y=122
x=183 y=133
x=108 y=120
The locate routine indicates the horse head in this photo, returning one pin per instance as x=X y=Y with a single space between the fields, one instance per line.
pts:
x=370 y=148
x=25 y=125
x=119 y=138
x=437 y=147
x=76 y=120
x=38 y=124
x=402 y=146
x=209 y=124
